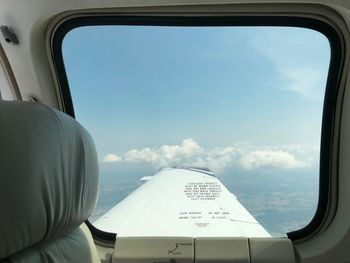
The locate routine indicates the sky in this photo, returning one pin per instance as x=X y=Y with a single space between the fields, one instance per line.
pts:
x=224 y=98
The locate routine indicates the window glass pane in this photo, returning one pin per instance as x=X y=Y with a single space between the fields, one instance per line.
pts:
x=243 y=102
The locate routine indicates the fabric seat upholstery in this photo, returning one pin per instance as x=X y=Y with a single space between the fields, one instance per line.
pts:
x=48 y=185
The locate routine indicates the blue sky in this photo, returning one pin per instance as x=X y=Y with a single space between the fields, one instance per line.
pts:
x=162 y=95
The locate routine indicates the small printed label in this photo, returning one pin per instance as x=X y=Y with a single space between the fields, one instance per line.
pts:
x=203 y=190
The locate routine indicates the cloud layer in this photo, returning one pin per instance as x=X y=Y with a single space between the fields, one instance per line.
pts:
x=246 y=156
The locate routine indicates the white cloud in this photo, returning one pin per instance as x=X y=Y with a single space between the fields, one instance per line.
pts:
x=270 y=158
x=166 y=155
x=246 y=156
x=187 y=148
x=110 y=158
x=144 y=155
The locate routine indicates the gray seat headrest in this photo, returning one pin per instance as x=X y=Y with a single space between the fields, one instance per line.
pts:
x=48 y=175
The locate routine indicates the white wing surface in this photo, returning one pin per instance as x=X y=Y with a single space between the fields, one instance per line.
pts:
x=184 y=202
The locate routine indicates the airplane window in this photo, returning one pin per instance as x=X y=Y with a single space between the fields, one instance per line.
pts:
x=201 y=131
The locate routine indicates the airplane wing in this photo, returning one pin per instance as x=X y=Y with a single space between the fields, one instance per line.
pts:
x=181 y=201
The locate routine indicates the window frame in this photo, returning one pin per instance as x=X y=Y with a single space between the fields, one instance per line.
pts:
x=329 y=121
x=5 y=67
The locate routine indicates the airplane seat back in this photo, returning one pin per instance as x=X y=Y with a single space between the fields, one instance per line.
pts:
x=48 y=185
